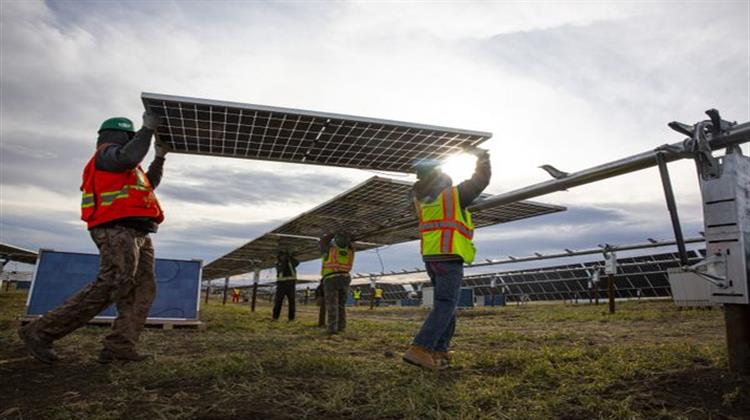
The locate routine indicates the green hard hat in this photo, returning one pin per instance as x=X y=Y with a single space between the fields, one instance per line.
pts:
x=119 y=124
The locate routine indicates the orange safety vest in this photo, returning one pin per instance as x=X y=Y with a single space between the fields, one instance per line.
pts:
x=109 y=196
x=337 y=261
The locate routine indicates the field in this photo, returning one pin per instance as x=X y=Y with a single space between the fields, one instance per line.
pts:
x=648 y=361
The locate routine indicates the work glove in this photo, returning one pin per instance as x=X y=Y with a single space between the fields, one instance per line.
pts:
x=160 y=149
x=151 y=121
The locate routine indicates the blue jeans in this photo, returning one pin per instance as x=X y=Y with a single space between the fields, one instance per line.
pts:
x=437 y=330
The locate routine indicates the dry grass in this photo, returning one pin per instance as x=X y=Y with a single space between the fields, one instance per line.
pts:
x=539 y=361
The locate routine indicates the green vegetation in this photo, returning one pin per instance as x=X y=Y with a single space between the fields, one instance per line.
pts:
x=648 y=361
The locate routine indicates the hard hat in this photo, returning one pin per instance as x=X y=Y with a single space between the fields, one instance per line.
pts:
x=119 y=124
x=425 y=168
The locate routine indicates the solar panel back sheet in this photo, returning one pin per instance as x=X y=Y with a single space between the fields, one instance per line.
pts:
x=376 y=212
x=229 y=129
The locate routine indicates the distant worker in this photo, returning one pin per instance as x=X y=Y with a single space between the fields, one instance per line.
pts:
x=307 y=295
x=338 y=258
x=357 y=296
x=446 y=232
x=235 y=295
x=121 y=210
x=378 y=296
x=286 y=283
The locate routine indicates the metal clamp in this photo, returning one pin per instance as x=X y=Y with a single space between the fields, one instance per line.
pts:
x=718 y=281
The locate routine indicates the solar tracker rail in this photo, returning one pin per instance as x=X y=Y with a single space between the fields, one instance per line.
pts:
x=366 y=210
x=248 y=131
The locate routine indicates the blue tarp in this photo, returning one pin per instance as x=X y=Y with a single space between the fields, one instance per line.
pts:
x=499 y=300
x=59 y=275
x=466 y=298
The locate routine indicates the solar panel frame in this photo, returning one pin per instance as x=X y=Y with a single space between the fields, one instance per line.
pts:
x=366 y=210
x=301 y=136
x=15 y=253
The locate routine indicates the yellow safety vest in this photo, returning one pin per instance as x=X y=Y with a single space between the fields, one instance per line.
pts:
x=378 y=293
x=357 y=294
x=445 y=228
x=337 y=261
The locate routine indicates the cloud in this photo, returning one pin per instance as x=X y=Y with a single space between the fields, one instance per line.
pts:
x=220 y=186
x=573 y=86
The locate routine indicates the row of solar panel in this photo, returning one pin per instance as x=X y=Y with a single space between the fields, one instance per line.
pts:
x=643 y=276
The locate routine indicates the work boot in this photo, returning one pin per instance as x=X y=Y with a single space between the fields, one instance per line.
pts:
x=443 y=358
x=40 y=349
x=108 y=356
x=420 y=356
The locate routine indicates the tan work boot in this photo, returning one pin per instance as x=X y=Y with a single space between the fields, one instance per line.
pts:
x=40 y=349
x=420 y=356
x=443 y=358
x=108 y=356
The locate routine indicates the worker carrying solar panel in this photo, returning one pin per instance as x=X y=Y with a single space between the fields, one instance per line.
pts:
x=338 y=258
x=286 y=283
x=120 y=210
x=446 y=234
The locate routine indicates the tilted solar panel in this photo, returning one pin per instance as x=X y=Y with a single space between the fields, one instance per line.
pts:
x=15 y=253
x=229 y=129
x=376 y=212
x=645 y=274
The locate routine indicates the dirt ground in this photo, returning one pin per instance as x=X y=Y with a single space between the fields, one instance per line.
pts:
x=649 y=360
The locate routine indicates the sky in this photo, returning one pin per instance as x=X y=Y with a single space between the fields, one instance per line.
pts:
x=572 y=84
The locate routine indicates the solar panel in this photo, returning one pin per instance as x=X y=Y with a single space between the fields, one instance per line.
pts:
x=229 y=129
x=646 y=273
x=377 y=212
x=15 y=253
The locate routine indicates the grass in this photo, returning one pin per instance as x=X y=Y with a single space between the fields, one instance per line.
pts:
x=649 y=360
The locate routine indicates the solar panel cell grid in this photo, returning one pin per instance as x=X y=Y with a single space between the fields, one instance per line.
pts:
x=248 y=131
x=367 y=211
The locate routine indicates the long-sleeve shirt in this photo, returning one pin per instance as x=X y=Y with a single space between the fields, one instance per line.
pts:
x=286 y=270
x=119 y=156
x=468 y=191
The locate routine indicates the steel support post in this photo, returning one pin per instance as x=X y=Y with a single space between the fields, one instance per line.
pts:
x=611 y=292
x=226 y=287
x=208 y=290
x=672 y=207
x=737 y=319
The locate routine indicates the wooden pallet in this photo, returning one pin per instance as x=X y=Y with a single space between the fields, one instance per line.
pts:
x=162 y=324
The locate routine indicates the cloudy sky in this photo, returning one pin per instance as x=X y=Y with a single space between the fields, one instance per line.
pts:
x=572 y=84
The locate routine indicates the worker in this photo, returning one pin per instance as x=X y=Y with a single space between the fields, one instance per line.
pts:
x=235 y=295
x=338 y=258
x=307 y=295
x=286 y=283
x=120 y=210
x=378 y=296
x=357 y=296
x=446 y=234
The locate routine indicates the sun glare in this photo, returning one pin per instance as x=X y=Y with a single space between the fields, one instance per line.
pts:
x=459 y=167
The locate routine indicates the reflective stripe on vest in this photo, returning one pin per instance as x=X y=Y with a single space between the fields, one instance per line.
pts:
x=108 y=196
x=445 y=228
x=334 y=263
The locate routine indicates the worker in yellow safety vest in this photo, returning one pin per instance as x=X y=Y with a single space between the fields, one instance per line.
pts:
x=337 y=255
x=446 y=232
x=357 y=296
x=378 y=296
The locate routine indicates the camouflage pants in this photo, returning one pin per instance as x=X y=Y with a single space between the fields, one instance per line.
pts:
x=126 y=278
x=335 y=293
